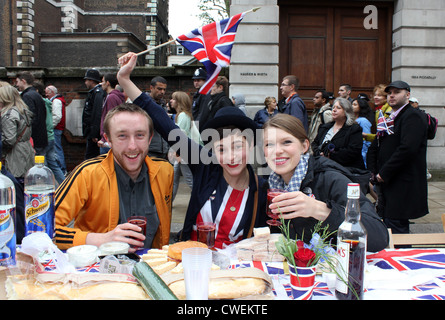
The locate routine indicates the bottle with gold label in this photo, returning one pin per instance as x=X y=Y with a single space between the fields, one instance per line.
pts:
x=39 y=199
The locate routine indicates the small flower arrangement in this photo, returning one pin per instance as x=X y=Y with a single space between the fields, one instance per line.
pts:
x=300 y=254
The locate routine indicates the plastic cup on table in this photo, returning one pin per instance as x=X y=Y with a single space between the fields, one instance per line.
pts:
x=196 y=263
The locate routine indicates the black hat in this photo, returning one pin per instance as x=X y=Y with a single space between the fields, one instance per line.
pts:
x=93 y=74
x=231 y=116
x=200 y=73
x=399 y=85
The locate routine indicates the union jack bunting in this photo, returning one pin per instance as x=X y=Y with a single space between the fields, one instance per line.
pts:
x=212 y=46
x=384 y=125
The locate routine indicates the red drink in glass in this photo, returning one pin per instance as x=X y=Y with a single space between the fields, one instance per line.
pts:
x=272 y=193
x=141 y=222
x=206 y=233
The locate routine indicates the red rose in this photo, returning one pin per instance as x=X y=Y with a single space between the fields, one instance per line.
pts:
x=304 y=257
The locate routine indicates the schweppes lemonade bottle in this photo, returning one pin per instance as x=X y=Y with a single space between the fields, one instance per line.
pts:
x=39 y=199
x=7 y=221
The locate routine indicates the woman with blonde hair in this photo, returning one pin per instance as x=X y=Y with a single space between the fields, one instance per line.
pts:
x=182 y=103
x=18 y=153
x=316 y=186
x=380 y=104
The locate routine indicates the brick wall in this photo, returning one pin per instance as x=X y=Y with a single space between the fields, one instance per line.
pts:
x=70 y=84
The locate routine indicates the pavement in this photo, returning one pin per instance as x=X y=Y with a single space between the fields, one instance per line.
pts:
x=431 y=223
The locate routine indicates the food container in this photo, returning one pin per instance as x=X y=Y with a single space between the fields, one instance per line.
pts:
x=82 y=256
x=114 y=247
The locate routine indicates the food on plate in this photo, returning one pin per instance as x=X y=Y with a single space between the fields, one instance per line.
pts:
x=261 y=247
x=175 y=250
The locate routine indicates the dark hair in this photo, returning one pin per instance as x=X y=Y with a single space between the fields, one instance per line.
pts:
x=324 y=95
x=156 y=80
x=112 y=79
x=27 y=76
x=222 y=81
x=347 y=86
x=365 y=109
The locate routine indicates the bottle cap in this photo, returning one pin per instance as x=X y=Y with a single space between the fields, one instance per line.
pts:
x=353 y=191
x=39 y=159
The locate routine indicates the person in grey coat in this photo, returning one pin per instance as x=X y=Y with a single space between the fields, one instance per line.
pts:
x=16 y=120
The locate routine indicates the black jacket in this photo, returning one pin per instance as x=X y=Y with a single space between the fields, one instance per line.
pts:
x=216 y=102
x=36 y=104
x=328 y=181
x=348 y=142
x=400 y=159
x=92 y=112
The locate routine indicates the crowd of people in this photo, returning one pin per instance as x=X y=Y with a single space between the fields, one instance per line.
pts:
x=138 y=145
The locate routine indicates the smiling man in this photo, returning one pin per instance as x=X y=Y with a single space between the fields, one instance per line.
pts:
x=102 y=193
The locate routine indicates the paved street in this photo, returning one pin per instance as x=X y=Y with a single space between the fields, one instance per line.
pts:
x=430 y=223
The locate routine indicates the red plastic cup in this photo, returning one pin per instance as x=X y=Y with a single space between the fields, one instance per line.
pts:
x=272 y=193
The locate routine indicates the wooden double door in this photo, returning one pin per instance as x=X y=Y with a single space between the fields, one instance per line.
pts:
x=327 y=43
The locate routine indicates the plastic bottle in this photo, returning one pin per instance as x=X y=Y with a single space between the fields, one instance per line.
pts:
x=351 y=249
x=7 y=221
x=39 y=199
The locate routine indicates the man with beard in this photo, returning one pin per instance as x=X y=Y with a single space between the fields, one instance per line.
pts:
x=102 y=193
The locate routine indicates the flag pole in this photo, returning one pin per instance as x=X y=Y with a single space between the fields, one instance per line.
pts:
x=173 y=40
x=157 y=47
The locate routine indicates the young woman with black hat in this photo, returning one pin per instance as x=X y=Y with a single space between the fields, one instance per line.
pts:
x=226 y=190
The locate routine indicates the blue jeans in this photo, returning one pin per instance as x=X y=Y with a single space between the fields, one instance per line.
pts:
x=51 y=160
x=59 y=150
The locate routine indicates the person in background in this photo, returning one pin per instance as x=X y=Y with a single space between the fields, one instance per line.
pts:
x=16 y=119
x=316 y=186
x=102 y=193
x=59 y=121
x=267 y=112
x=200 y=101
x=239 y=101
x=35 y=103
x=344 y=91
x=397 y=159
x=5 y=101
x=321 y=114
x=226 y=191
x=92 y=112
x=158 y=146
x=362 y=114
x=114 y=98
x=218 y=100
x=182 y=104
x=50 y=151
x=380 y=104
x=293 y=104
x=341 y=140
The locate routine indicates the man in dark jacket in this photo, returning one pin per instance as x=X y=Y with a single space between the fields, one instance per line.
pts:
x=35 y=103
x=218 y=100
x=200 y=101
x=397 y=158
x=92 y=112
x=293 y=104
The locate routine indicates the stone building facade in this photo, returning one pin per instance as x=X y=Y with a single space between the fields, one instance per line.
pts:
x=403 y=39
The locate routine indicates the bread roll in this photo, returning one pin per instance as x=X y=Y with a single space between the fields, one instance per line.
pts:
x=175 y=250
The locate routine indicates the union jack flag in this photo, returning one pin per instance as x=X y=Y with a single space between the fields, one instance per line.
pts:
x=404 y=259
x=212 y=46
x=384 y=125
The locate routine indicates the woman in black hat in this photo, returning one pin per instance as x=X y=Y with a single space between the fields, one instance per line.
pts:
x=226 y=191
